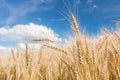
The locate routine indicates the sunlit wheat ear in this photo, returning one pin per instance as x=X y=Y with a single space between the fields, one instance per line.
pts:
x=57 y=49
x=87 y=51
x=75 y=25
x=44 y=39
x=75 y=28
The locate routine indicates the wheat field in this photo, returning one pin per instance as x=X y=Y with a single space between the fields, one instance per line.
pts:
x=84 y=58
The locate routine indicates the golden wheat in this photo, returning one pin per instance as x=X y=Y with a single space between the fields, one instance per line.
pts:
x=83 y=59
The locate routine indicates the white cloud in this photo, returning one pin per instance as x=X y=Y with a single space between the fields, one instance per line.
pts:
x=22 y=34
x=27 y=33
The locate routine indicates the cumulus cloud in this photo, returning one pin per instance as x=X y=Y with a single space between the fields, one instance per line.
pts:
x=21 y=34
x=27 y=33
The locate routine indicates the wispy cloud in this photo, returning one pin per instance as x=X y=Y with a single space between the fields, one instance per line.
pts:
x=39 y=18
x=110 y=9
x=23 y=8
x=89 y=2
x=109 y=12
x=89 y=6
x=61 y=19
x=116 y=22
x=78 y=1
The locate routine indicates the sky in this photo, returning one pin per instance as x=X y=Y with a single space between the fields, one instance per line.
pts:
x=23 y=20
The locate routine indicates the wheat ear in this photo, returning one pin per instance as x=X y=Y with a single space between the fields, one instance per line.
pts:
x=56 y=48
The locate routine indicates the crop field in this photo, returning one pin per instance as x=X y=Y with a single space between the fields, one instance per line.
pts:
x=84 y=58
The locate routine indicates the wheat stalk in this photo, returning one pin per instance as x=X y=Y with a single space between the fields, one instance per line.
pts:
x=56 y=48
x=26 y=55
x=44 y=39
x=13 y=54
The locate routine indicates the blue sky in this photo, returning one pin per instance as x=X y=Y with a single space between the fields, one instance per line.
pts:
x=93 y=15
